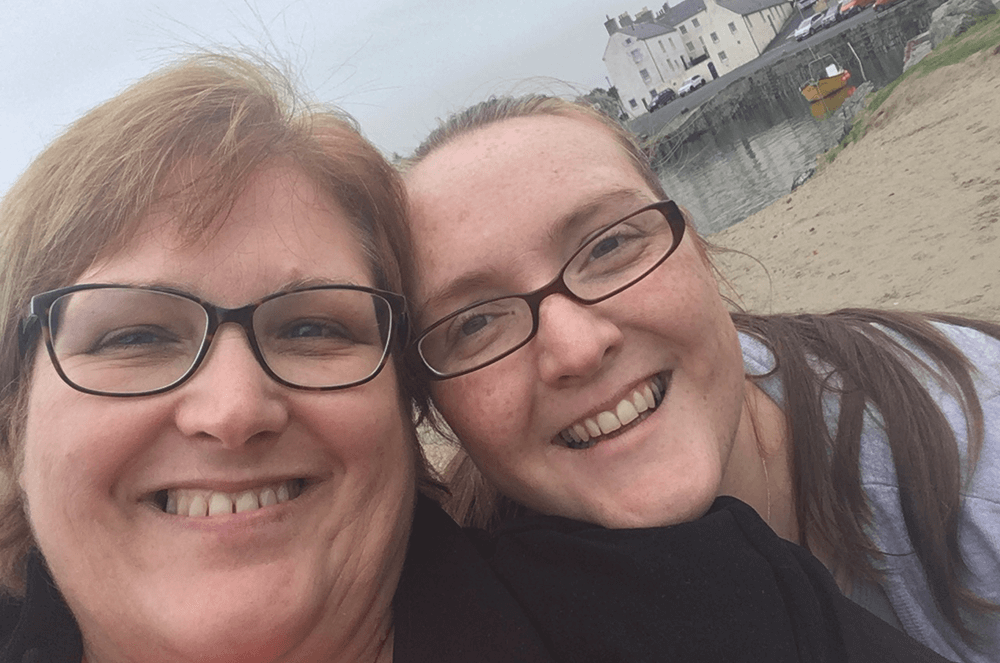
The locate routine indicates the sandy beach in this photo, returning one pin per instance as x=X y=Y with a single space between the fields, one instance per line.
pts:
x=906 y=218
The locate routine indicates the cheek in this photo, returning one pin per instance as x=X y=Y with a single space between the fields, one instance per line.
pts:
x=487 y=408
x=365 y=430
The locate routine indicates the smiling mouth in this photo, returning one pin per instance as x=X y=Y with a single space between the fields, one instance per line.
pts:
x=630 y=411
x=202 y=503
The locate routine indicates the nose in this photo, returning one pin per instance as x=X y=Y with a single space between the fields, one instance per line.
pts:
x=574 y=340
x=230 y=399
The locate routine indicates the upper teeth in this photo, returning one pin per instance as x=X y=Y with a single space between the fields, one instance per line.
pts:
x=200 y=503
x=646 y=397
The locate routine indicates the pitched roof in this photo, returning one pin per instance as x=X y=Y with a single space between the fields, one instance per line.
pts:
x=744 y=7
x=682 y=11
x=645 y=30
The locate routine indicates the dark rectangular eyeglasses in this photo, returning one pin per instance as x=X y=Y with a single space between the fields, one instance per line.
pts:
x=117 y=340
x=620 y=255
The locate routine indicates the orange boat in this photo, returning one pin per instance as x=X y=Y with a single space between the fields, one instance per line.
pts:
x=827 y=105
x=834 y=81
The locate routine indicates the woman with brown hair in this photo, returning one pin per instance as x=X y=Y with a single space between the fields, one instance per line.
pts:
x=206 y=443
x=573 y=335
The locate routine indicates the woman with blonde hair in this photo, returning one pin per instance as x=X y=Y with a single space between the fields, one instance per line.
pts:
x=572 y=334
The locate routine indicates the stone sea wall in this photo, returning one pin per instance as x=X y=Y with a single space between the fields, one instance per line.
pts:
x=878 y=43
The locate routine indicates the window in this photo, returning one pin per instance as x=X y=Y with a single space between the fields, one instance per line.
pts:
x=722 y=56
x=645 y=76
x=732 y=28
x=749 y=24
x=715 y=38
x=690 y=46
x=637 y=55
x=663 y=49
x=632 y=104
x=684 y=30
x=671 y=40
x=628 y=40
x=694 y=22
x=670 y=62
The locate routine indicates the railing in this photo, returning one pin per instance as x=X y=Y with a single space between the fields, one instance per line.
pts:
x=698 y=60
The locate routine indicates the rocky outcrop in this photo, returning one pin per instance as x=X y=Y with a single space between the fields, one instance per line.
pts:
x=956 y=16
x=917 y=49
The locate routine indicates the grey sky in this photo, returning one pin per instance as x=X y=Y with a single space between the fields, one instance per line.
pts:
x=395 y=65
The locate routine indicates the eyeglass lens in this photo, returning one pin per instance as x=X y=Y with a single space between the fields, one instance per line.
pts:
x=131 y=340
x=616 y=258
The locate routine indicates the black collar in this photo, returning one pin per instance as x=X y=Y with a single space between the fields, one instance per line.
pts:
x=38 y=628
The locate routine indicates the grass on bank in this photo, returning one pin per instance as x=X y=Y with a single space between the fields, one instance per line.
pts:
x=981 y=36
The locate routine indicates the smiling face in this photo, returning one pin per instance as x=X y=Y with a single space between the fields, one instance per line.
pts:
x=328 y=477
x=654 y=374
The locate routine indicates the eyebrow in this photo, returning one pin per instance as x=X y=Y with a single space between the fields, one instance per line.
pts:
x=563 y=226
x=595 y=207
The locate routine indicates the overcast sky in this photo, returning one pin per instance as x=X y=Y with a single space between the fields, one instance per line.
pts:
x=396 y=65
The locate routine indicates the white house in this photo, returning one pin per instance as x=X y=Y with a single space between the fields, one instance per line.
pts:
x=741 y=29
x=708 y=37
x=642 y=60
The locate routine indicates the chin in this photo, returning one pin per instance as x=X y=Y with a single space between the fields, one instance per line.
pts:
x=244 y=628
x=686 y=502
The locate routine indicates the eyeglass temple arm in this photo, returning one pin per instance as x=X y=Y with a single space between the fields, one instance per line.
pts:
x=26 y=331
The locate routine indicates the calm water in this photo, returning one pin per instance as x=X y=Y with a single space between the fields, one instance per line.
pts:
x=727 y=175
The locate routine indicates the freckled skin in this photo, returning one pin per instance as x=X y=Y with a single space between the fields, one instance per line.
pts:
x=490 y=203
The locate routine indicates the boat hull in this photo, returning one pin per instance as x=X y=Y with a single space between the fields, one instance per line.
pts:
x=825 y=87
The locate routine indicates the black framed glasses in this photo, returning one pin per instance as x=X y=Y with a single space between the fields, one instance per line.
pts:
x=617 y=257
x=118 y=340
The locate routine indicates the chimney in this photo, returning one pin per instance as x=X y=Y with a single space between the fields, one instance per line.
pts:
x=625 y=20
x=611 y=25
x=645 y=16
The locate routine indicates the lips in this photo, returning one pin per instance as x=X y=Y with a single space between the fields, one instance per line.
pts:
x=631 y=410
x=202 y=503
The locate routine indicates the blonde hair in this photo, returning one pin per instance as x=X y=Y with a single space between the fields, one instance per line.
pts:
x=190 y=135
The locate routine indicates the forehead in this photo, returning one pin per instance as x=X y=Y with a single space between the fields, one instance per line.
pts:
x=491 y=202
x=560 y=159
x=280 y=230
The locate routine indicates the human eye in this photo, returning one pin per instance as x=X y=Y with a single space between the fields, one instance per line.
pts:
x=614 y=249
x=316 y=336
x=621 y=249
x=480 y=330
x=316 y=329
x=142 y=340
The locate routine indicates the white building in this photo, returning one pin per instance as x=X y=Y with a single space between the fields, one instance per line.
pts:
x=708 y=37
x=643 y=59
x=741 y=29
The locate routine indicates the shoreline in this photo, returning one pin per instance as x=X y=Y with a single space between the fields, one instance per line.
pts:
x=906 y=218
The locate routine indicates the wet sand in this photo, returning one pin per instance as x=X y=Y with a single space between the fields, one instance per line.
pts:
x=907 y=218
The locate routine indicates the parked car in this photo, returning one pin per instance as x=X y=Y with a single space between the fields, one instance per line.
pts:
x=808 y=26
x=803 y=4
x=691 y=84
x=831 y=16
x=852 y=7
x=662 y=99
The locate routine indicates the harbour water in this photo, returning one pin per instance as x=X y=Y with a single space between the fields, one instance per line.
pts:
x=724 y=176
